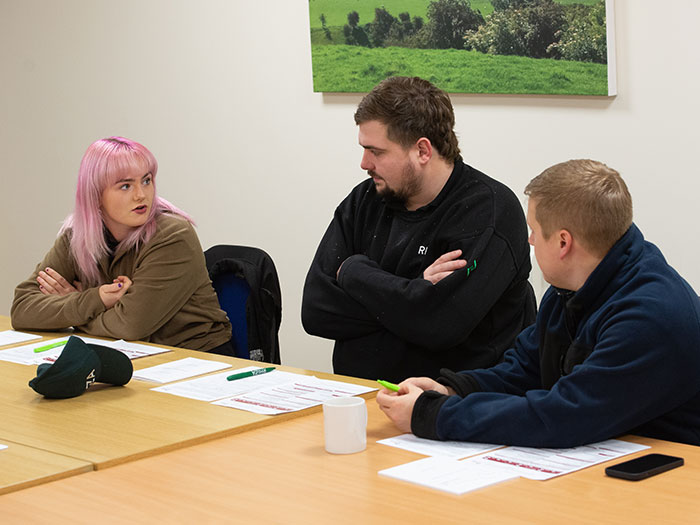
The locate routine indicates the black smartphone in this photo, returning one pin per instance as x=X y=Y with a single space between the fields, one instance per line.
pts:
x=643 y=466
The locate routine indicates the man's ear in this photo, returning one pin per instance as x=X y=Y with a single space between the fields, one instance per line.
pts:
x=425 y=150
x=565 y=243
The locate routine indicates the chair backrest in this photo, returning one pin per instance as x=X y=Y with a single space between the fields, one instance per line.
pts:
x=233 y=293
x=246 y=283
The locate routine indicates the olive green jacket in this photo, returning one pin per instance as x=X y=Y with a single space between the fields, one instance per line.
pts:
x=171 y=301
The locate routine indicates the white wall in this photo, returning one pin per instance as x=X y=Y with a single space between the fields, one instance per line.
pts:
x=221 y=92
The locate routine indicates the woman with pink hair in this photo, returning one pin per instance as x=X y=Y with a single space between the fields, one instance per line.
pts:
x=127 y=264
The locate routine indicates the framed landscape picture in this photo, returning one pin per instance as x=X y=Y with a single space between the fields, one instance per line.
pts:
x=552 y=47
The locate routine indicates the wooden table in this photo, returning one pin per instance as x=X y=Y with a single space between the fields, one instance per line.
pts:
x=22 y=467
x=282 y=474
x=109 y=425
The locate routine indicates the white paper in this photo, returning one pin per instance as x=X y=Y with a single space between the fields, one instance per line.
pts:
x=430 y=447
x=12 y=337
x=132 y=350
x=304 y=392
x=448 y=474
x=25 y=354
x=546 y=463
x=3 y=446
x=177 y=370
x=216 y=386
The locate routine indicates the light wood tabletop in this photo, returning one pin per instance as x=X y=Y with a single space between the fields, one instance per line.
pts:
x=109 y=425
x=282 y=474
x=22 y=466
x=271 y=473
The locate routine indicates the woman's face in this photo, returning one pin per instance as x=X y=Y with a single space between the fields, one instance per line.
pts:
x=126 y=204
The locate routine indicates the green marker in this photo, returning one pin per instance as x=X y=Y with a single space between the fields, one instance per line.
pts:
x=388 y=386
x=49 y=347
x=251 y=373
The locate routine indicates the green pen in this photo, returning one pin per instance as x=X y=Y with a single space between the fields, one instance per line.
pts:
x=471 y=268
x=388 y=386
x=49 y=347
x=250 y=373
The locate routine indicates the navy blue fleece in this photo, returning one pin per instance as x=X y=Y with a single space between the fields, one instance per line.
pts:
x=620 y=355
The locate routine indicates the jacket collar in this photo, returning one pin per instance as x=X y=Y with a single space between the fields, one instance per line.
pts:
x=597 y=287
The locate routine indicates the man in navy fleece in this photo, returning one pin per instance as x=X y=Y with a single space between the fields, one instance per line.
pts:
x=615 y=348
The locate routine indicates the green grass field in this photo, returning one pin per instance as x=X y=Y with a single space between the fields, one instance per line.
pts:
x=336 y=11
x=344 y=68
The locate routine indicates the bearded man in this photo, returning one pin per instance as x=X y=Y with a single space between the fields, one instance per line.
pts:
x=425 y=265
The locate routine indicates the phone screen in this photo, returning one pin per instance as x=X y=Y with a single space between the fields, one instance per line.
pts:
x=644 y=466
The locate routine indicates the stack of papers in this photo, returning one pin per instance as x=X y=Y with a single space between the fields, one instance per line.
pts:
x=442 y=471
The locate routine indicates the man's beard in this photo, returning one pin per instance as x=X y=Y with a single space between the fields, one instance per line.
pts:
x=411 y=185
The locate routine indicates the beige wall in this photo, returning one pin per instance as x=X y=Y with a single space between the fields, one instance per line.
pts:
x=221 y=92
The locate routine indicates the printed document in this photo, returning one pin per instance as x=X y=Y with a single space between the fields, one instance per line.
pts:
x=25 y=354
x=132 y=350
x=180 y=369
x=431 y=447
x=216 y=386
x=460 y=476
x=12 y=337
x=303 y=392
x=448 y=474
x=545 y=463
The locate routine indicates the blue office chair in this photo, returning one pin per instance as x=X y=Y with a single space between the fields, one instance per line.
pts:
x=247 y=286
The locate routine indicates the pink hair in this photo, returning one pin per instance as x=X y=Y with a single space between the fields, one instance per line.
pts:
x=104 y=163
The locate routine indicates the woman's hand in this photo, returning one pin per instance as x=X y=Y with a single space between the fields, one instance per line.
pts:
x=52 y=283
x=112 y=293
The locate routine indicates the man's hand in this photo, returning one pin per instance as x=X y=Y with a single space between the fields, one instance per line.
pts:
x=444 y=266
x=424 y=383
x=337 y=273
x=398 y=406
x=111 y=293
x=52 y=283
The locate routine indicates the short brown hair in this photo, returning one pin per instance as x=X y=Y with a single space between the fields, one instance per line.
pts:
x=585 y=197
x=411 y=108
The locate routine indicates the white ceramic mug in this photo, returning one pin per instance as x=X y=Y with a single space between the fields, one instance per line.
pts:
x=345 y=425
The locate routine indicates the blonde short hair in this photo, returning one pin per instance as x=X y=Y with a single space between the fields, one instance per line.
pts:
x=585 y=197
